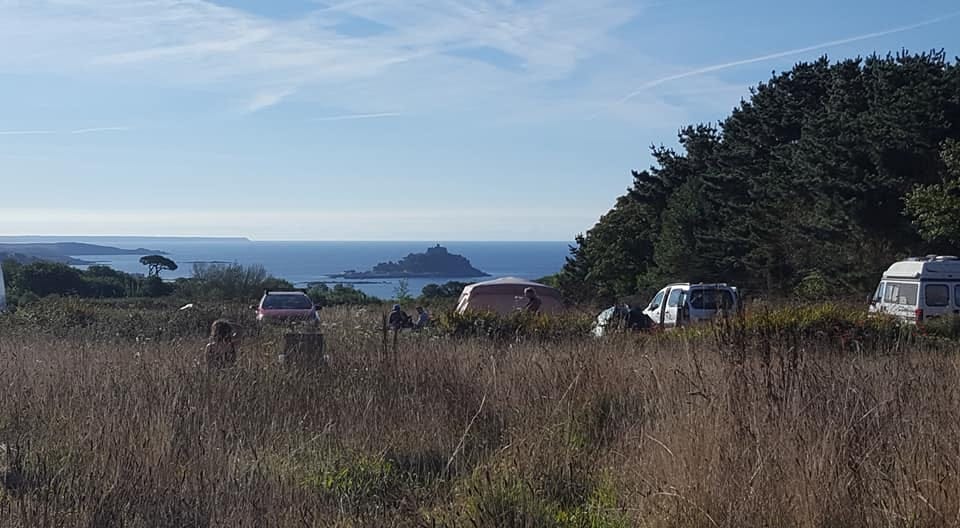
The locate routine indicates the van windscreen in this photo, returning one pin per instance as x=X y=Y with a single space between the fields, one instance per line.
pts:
x=903 y=293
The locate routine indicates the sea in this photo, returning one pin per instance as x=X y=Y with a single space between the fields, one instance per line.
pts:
x=305 y=262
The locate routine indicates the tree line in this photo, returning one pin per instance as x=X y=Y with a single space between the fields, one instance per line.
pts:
x=816 y=182
x=27 y=282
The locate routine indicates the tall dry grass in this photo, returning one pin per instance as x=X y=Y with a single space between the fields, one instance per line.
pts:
x=630 y=431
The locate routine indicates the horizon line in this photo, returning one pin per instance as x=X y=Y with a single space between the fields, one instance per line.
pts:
x=254 y=239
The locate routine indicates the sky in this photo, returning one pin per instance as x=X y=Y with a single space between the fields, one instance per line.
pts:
x=383 y=119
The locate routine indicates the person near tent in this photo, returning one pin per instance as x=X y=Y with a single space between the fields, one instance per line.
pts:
x=399 y=319
x=423 y=318
x=533 y=301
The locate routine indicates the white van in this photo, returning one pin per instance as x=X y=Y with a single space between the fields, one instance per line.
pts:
x=685 y=303
x=918 y=289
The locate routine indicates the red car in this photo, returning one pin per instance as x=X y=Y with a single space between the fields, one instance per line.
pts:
x=286 y=306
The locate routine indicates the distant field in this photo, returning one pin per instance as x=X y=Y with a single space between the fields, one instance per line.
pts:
x=728 y=426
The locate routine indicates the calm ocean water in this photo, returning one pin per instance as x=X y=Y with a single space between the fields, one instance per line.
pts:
x=303 y=262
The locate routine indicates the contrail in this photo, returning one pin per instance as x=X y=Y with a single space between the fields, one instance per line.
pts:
x=26 y=132
x=780 y=54
x=349 y=117
x=51 y=132
x=100 y=129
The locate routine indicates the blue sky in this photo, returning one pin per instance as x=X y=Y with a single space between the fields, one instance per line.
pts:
x=383 y=119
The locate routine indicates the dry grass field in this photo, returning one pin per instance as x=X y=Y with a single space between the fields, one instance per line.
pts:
x=693 y=429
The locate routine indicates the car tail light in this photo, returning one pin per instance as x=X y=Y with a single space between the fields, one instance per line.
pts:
x=918 y=313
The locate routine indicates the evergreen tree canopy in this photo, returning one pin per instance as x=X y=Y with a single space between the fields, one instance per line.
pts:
x=827 y=170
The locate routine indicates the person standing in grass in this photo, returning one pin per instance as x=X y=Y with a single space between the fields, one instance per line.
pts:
x=533 y=301
x=221 y=351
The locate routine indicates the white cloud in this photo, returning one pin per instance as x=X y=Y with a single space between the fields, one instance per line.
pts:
x=265 y=100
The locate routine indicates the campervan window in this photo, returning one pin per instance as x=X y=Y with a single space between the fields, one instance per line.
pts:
x=674 y=299
x=901 y=293
x=956 y=295
x=937 y=294
x=711 y=300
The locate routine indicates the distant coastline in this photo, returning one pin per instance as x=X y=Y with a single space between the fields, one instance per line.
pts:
x=46 y=239
x=64 y=252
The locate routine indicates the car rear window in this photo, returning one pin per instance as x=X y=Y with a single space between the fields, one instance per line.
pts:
x=711 y=299
x=936 y=294
x=287 y=302
x=901 y=293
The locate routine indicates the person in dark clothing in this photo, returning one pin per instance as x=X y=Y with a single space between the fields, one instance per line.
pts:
x=399 y=319
x=533 y=301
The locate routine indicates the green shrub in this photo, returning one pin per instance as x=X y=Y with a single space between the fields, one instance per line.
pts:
x=228 y=282
x=514 y=326
x=339 y=295
x=852 y=328
x=361 y=483
x=505 y=500
x=947 y=327
x=813 y=287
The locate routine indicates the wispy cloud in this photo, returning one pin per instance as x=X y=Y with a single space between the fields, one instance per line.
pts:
x=351 y=117
x=265 y=100
x=243 y=55
x=781 y=54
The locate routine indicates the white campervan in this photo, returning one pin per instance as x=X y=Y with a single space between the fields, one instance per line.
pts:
x=917 y=289
x=685 y=303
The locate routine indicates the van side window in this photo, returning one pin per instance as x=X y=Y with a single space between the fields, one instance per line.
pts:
x=674 y=299
x=713 y=299
x=956 y=295
x=936 y=294
x=901 y=293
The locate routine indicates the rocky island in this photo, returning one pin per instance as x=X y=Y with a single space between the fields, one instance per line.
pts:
x=437 y=262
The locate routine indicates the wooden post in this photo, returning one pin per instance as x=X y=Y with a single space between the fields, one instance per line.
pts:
x=303 y=350
x=385 y=330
